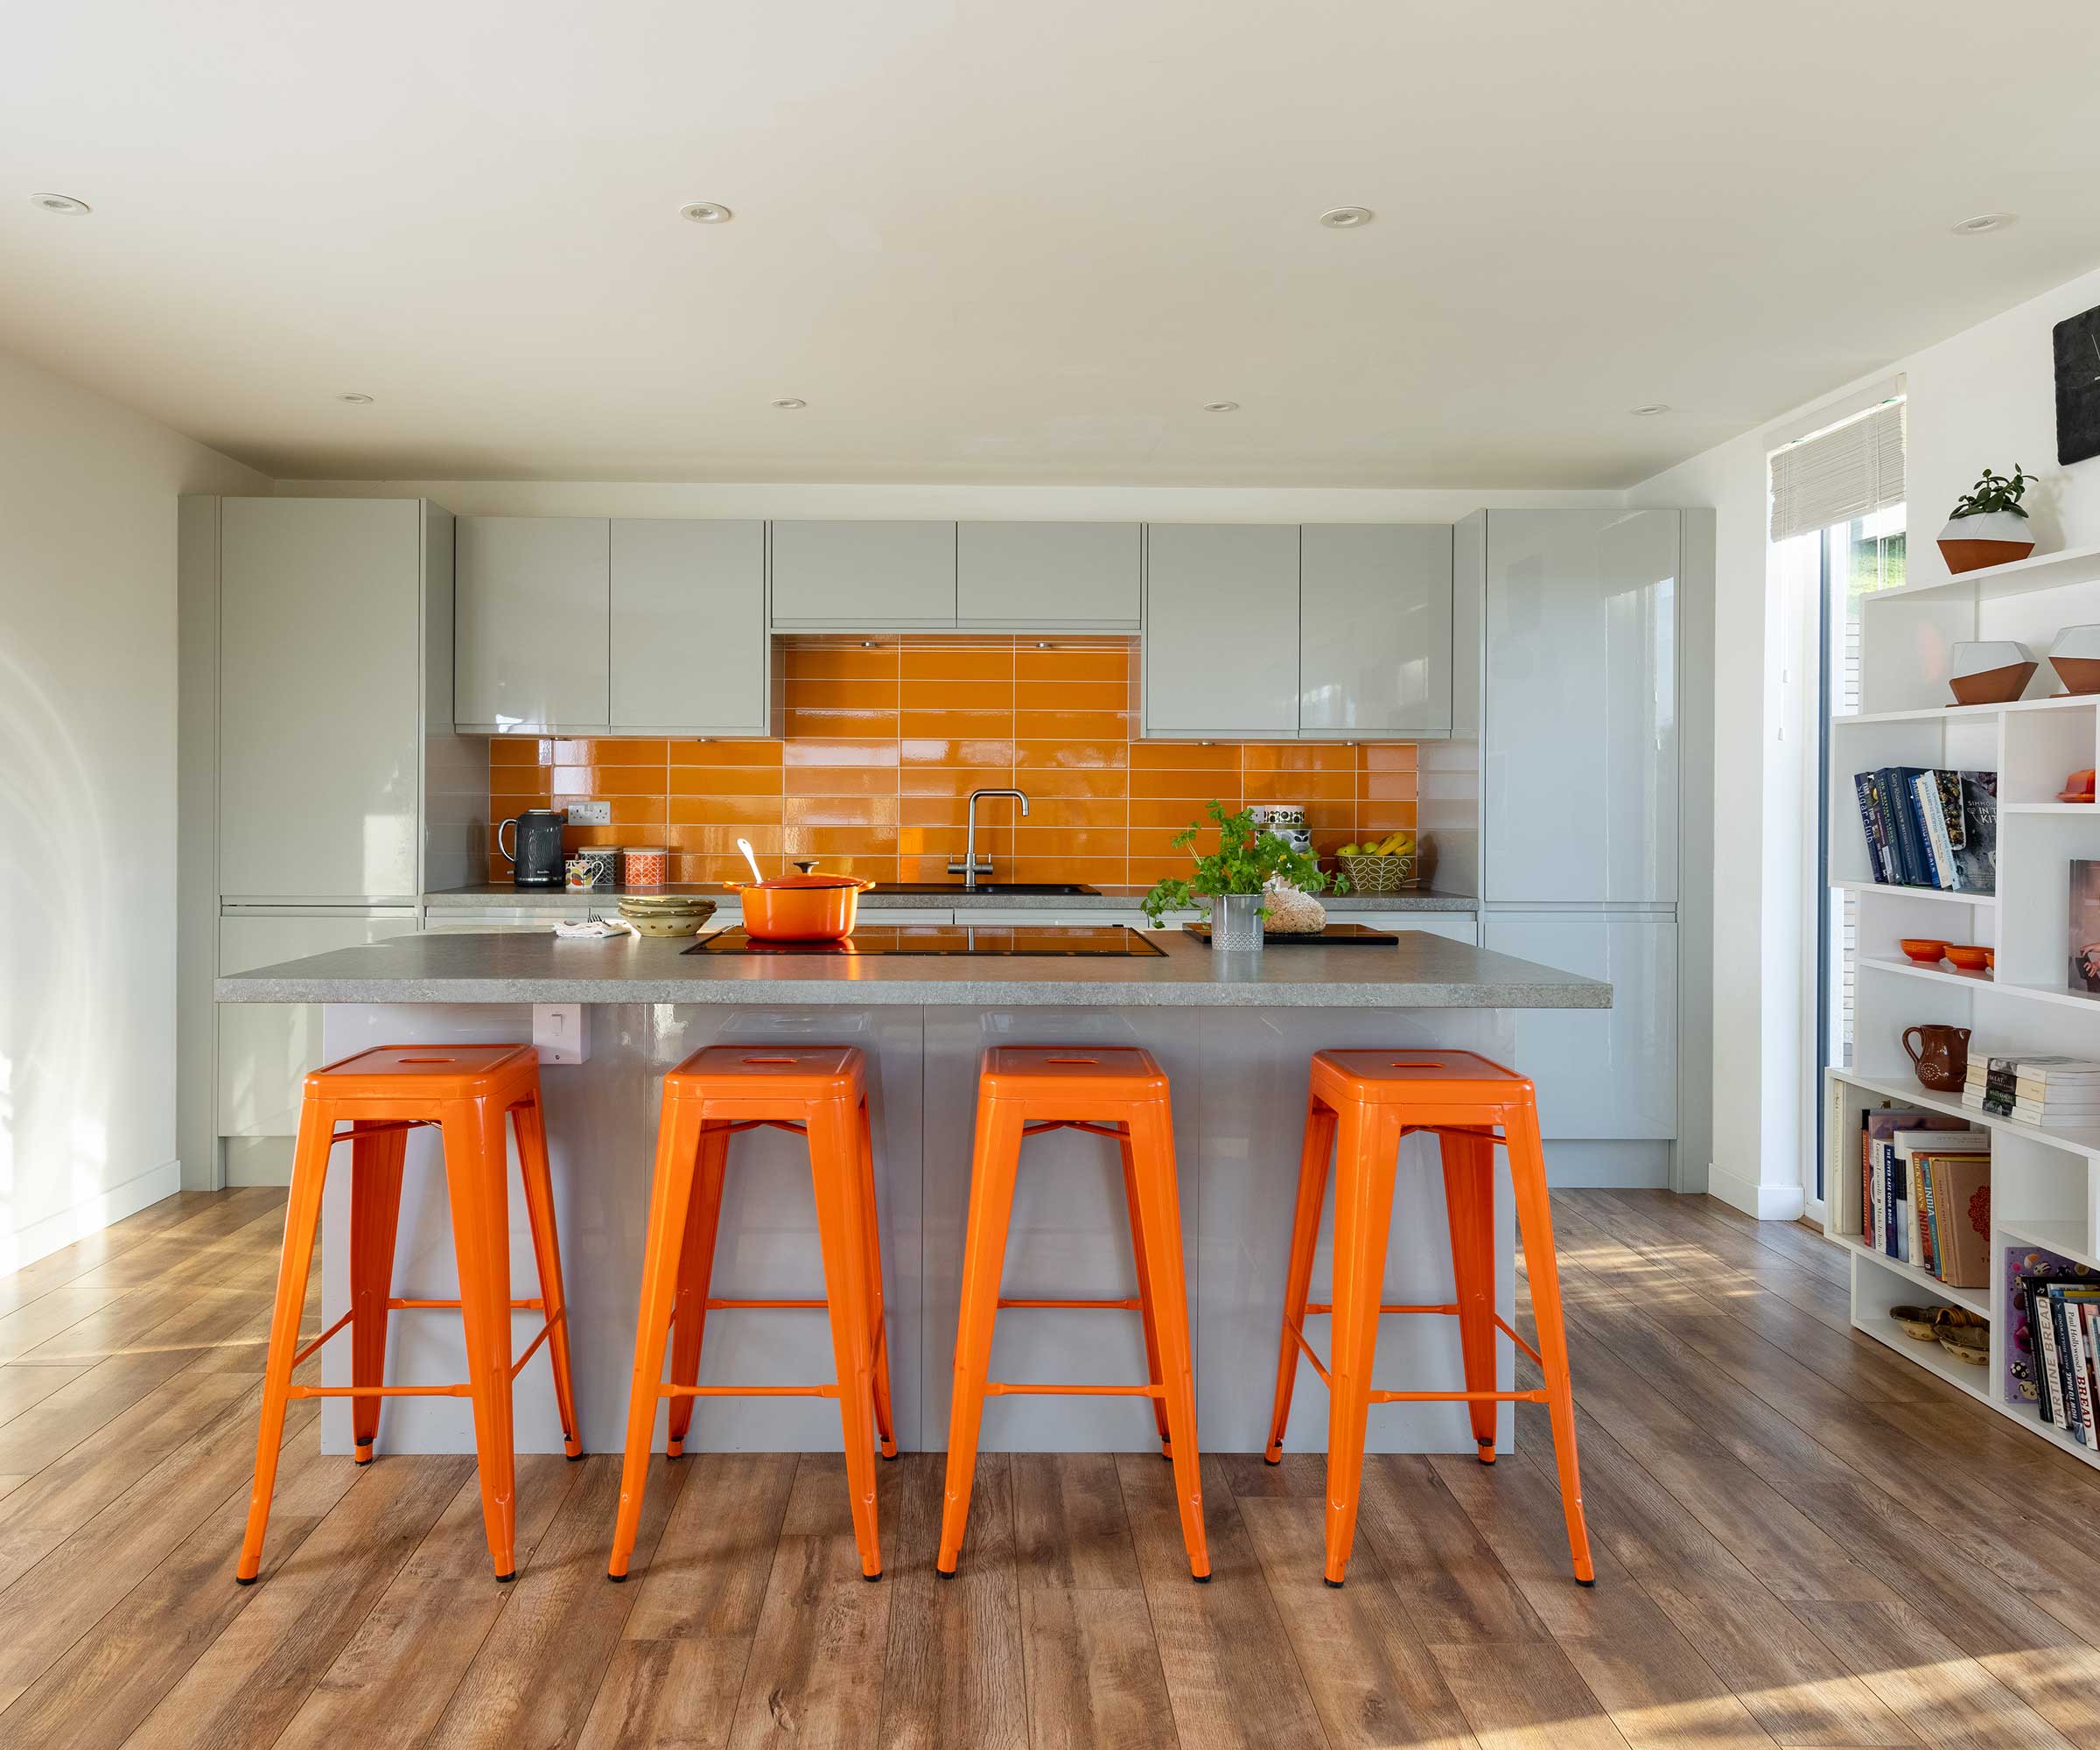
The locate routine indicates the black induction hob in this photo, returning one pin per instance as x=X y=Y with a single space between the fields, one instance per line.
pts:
x=1112 y=941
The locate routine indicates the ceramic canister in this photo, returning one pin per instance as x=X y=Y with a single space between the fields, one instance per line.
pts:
x=604 y=864
x=644 y=865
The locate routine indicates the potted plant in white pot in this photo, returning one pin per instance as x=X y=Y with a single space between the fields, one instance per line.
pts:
x=1989 y=527
x=1235 y=876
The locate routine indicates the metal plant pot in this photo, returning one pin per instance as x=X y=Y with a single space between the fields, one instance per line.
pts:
x=1235 y=921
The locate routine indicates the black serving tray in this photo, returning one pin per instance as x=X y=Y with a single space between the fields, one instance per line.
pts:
x=1335 y=936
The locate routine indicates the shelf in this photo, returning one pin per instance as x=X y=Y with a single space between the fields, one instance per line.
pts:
x=1973 y=1380
x=2048 y=808
x=2042 y=571
x=1897 y=889
x=1939 y=975
x=1975 y=1299
x=2066 y=1239
x=2084 y=1142
x=1967 y=713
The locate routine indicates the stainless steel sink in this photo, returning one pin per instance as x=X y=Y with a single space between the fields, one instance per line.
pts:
x=1060 y=889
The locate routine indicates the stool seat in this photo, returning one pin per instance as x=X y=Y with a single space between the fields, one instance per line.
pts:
x=1114 y=1091
x=815 y=1091
x=1360 y=1104
x=469 y=1094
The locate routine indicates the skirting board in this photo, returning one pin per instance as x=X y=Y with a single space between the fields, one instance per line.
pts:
x=1766 y=1203
x=90 y=1215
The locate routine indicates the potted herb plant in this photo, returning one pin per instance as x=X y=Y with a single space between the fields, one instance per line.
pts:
x=1235 y=876
x=1989 y=527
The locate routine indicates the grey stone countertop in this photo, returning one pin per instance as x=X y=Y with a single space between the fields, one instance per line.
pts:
x=1109 y=900
x=1424 y=972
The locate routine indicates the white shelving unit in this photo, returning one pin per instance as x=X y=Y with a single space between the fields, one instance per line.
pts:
x=2044 y=1184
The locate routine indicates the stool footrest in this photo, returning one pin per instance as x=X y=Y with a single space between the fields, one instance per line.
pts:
x=998 y=1388
x=1118 y=1132
x=714 y=1305
x=1313 y=1306
x=533 y=1306
x=747 y=1391
x=1131 y=1305
x=1458 y=1396
x=461 y=1390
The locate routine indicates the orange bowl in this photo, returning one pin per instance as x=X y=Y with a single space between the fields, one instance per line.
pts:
x=1969 y=957
x=1924 y=952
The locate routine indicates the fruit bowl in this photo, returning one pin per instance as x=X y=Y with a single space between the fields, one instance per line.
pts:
x=1392 y=873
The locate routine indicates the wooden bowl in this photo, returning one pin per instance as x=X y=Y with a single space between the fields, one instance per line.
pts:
x=1924 y=951
x=1918 y=1322
x=1968 y=1343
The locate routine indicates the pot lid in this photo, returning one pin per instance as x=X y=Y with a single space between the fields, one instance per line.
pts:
x=810 y=881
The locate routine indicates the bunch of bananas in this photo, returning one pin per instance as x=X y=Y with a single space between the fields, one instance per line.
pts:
x=1394 y=844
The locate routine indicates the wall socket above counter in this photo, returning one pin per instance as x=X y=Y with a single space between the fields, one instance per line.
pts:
x=647 y=626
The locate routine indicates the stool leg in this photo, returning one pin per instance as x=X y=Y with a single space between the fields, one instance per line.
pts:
x=878 y=1329
x=1365 y=1160
x=538 y=1177
x=477 y=1180
x=1312 y=1163
x=302 y=1215
x=994 y=1161
x=1535 y=1221
x=834 y=1172
x=375 y=1164
x=670 y=1194
x=1469 y=1206
x=1159 y=1203
x=1144 y=1299
x=696 y=1279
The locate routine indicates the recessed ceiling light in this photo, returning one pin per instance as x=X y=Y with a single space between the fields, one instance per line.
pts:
x=60 y=203
x=356 y=400
x=1983 y=222
x=1347 y=218
x=706 y=212
x=1221 y=406
x=790 y=403
x=1650 y=410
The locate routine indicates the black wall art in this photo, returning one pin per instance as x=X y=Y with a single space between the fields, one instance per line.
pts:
x=2078 y=387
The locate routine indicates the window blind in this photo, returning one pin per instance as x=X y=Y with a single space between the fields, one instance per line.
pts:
x=1851 y=470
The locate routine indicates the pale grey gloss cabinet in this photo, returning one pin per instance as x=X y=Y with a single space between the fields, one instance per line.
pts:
x=535 y=622
x=1374 y=651
x=1031 y=575
x=1220 y=630
x=689 y=645
x=876 y=575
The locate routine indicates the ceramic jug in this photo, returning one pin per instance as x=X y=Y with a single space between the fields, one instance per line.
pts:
x=1940 y=1058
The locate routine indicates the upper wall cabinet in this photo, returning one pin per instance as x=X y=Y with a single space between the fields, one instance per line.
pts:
x=1027 y=575
x=1375 y=655
x=689 y=642
x=1221 y=631
x=533 y=623
x=850 y=575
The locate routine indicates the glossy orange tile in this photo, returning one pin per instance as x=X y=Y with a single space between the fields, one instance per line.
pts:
x=1072 y=663
x=1185 y=756
x=519 y=749
x=721 y=841
x=956 y=726
x=839 y=725
x=1390 y=787
x=1188 y=786
x=1060 y=695
x=729 y=753
x=1077 y=811
x=840 y=781
x=1031 y=840
x=956 y=662
x=1104 y=871
x=830 y=841
x=914 y=779
x=869 y=751
x=1390 y=756
x=1086 y=756
x=1299 y=787
x=811 y=695
x=874 y=812
x=725 y=810
x=839 y=662
x=1076 y=726
x=725 y=780
x=986 y=753
x=950 y=694
x=1071 y=781
x=1298 y=756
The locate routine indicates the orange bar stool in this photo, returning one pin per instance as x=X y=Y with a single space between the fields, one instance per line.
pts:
x=1108 y=1091
x=469 y=1092
x=815 y=1091
x=1371 y=1099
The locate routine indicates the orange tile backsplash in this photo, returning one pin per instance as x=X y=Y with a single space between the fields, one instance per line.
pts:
x=883 y=745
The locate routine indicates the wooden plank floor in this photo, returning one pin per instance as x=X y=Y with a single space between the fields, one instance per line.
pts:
x=1801 y=1541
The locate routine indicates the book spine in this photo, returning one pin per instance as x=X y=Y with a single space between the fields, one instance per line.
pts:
x=1891 y=833
x=1914 y=1208
x=2043 y=1325
x=2067 y=1394
x=1877 y=853
x=1912 y=825
x=2088 y=1319
x=1867 y=1180
x=1932 y=824
x=2037 y=1362
x=2073 y=1321
x=1930 y=1256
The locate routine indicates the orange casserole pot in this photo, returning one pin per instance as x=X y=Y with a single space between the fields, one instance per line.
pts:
x=802 y=908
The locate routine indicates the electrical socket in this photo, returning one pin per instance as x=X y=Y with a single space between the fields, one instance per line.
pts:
x=589 y=814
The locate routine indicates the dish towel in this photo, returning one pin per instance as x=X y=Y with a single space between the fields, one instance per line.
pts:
x=594 y=929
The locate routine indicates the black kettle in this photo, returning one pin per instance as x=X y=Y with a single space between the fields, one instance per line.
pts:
x=536 y=847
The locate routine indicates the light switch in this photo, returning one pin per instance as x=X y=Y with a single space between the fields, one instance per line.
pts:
x=589 y=814
x=559 y=1034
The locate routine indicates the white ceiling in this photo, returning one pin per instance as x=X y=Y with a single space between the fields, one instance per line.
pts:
x=1006 y=241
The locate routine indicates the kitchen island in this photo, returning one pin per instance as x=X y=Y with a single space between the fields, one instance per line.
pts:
x=1234 y=1033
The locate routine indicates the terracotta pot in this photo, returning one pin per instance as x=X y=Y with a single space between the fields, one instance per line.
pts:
x=1993 y=686
x=802 y=908
x=1996 y=537
x=1941 y=1057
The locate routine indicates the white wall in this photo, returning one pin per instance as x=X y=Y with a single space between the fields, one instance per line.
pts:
x=87 y=733
x=1984 y=396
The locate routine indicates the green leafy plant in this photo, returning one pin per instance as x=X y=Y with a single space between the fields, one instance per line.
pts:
x=1246 y=858
x=1995 y=492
